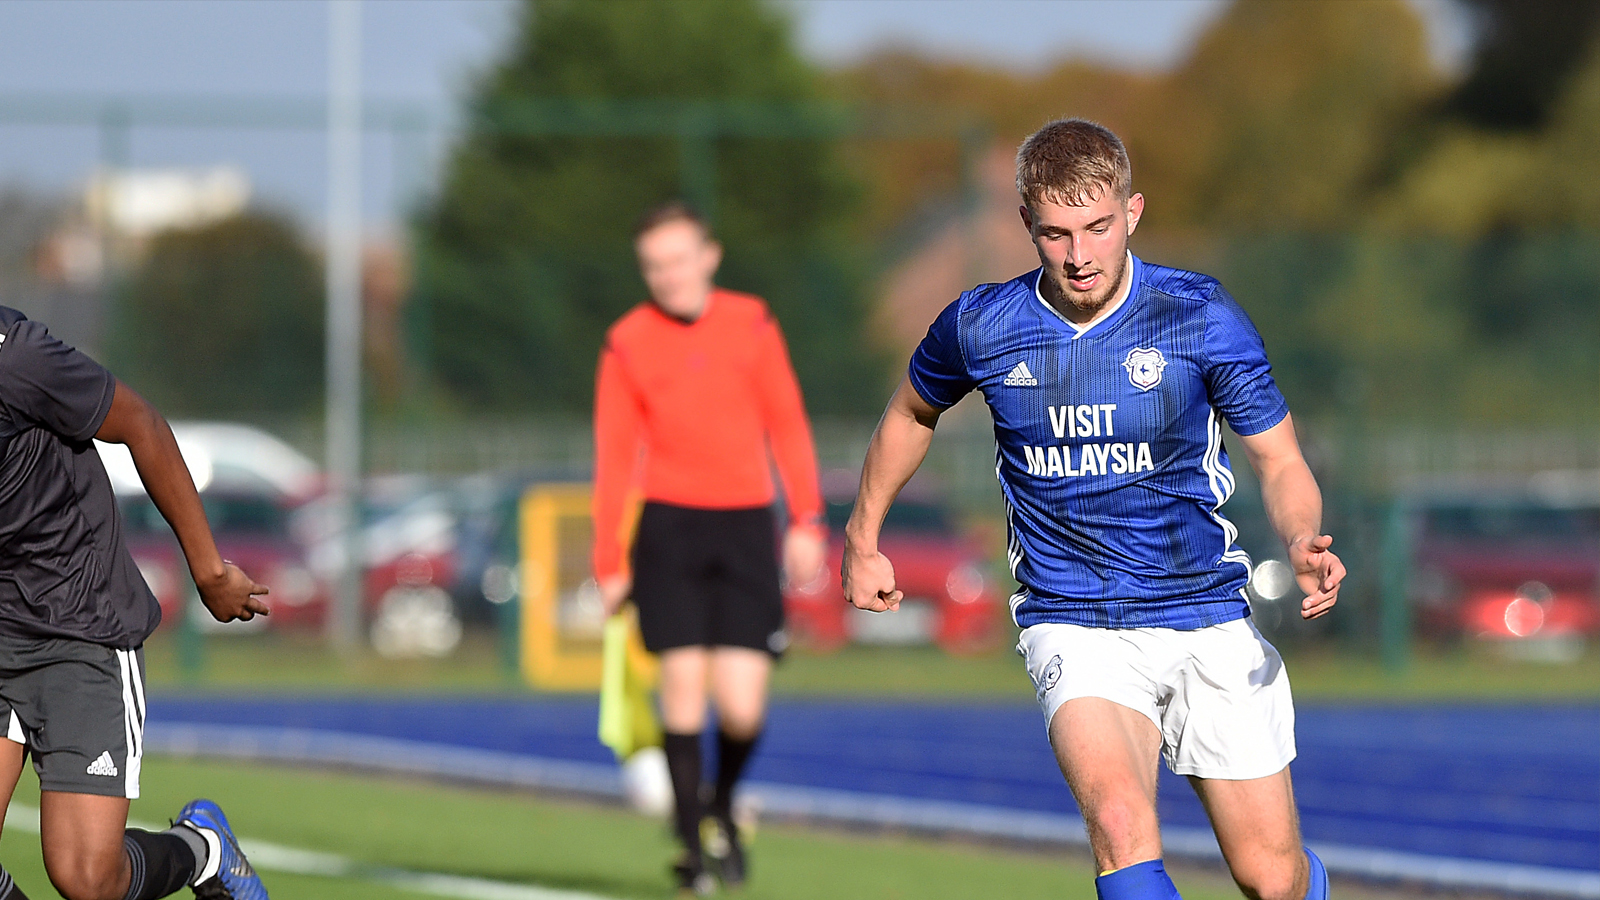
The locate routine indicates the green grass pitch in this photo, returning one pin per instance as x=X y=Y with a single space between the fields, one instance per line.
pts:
x=522 y=839
x=274 y=663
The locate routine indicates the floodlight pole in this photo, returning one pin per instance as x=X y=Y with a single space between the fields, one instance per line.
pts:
x=343 y=272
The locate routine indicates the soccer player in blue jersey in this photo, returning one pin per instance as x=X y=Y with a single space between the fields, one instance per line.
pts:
x=1108 y=379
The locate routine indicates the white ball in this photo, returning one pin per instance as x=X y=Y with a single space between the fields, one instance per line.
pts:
x=646 y=782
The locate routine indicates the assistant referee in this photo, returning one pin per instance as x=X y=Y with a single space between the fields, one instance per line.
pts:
x=694 y=388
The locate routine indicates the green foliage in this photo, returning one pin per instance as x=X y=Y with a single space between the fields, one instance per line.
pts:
x=1426 y=329
x=1285 y=110
x=525 y=257
x=1402 y=262
x=1403 y=258
x=1527 y=50
x=224 y=320
x=1282 y=117
x=1470 y=182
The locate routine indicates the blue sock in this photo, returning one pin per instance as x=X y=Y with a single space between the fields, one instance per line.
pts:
x=1142 y=881
x=1319 y=878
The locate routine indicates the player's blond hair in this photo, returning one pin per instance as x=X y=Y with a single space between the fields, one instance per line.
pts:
x=1073 y=162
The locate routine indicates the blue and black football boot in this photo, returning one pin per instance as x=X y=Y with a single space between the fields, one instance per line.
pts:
x=227 y=875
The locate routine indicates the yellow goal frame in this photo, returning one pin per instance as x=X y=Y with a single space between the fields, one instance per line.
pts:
x=547 y=661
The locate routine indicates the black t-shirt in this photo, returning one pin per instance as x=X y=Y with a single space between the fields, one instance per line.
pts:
x=64 y=569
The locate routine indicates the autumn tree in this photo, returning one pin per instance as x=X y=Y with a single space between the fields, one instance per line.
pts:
x=524 y=257
x=224 y=320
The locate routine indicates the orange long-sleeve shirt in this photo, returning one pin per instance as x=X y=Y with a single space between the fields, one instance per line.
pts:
x=687 y=411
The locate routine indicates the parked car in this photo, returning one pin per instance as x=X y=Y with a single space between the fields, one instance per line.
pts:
x=488 y=555
x=250 y=483
x=226 y=455
x=1515 y=566
x=949 y=598
x=408 y=538
x=489 y=552
x=252 y=531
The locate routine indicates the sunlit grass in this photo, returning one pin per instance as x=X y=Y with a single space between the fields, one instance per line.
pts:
x=525 y=839
x=302 y=663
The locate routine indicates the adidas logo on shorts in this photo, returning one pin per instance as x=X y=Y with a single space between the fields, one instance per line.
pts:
x=103 y=766
x=1020 y=377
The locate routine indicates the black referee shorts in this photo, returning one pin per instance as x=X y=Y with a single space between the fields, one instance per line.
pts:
x=708 y=578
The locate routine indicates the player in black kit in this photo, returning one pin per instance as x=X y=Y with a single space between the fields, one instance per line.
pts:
x=74 y=615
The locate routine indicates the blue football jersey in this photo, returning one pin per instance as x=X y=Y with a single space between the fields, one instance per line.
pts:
x=1109 y=442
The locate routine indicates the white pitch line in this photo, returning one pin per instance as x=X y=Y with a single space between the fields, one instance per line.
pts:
x=270 y=857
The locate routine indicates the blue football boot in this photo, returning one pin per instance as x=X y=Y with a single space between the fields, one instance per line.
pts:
x=227 y=875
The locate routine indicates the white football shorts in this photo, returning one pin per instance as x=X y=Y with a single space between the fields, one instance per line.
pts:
x=1219 y=695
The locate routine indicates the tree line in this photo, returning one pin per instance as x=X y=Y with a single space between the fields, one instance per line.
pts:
x=1412 y=243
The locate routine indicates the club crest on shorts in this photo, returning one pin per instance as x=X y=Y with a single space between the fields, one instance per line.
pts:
x=1144 y=367
x=1050 y=677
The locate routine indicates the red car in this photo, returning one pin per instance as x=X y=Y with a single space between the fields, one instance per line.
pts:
x=1521 y=570
x=408 y=536
x=950 y=600
x=252 y=531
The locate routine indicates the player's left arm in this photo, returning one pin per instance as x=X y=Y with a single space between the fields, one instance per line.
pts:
x=226 y=591
x=1294 y=507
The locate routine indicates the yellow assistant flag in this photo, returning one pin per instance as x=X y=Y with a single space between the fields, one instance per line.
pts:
x=627 y=716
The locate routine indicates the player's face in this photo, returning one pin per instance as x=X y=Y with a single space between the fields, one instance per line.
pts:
x=1084 y=249
x=678 y=260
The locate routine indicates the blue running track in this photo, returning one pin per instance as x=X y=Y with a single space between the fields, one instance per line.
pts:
x=1511 y=784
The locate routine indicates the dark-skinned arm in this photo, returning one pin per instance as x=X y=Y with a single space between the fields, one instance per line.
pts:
x=227 y=592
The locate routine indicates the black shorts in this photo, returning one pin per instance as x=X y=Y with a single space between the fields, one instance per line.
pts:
x=78 y=708
x=708 y=578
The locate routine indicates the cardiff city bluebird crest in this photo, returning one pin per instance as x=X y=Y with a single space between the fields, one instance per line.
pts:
x=1144 y=367
x=1050 y=677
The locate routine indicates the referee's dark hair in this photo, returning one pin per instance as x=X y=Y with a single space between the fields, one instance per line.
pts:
x=670 y=211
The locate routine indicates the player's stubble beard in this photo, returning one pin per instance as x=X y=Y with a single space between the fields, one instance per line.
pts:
x=1088 y=303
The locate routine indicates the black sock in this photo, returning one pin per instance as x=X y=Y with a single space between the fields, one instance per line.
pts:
x=683 y=762
x=732 y=754
x=161 y=863
x=8 y=888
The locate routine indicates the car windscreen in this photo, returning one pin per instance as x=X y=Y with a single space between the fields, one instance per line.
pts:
x=140 y=516
x=1513 y=522
x=227 y=515
x=905 y=517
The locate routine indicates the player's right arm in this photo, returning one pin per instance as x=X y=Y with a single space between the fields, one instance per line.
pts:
x=1239 y=385
x=1294 y=508
x=936 y=378
x=898 y=447
x=618 y=427
x=225 y=590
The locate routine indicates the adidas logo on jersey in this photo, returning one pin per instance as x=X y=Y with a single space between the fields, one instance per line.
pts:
x=1021 y=377
x=103 y=766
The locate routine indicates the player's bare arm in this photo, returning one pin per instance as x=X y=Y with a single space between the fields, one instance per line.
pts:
x=226 y=590
x=897 y=449
x=1294 y=507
